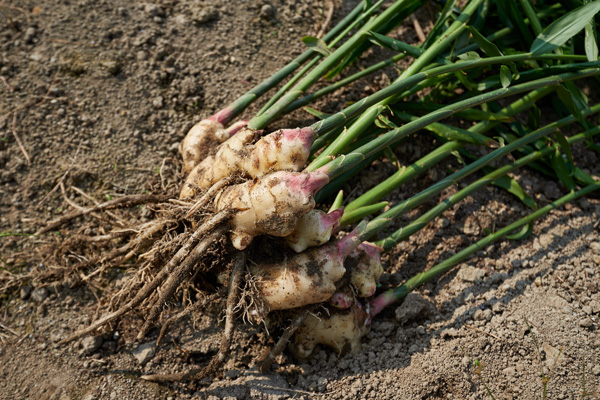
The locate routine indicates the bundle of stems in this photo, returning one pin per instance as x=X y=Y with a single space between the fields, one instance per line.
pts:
x=455 y=90
x=462 y=72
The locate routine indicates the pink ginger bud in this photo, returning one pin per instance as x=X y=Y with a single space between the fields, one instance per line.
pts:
x=233 y=129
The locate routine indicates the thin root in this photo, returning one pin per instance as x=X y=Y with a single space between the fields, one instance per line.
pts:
x=218 y=360
x=177 y=277
x=125 y=201
x=148 y=230
x=209 y=195
x=149 y=288
x=283 y=340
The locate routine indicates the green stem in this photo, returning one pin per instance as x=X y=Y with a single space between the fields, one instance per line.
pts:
x=403 y=207
x=393 y=295
x=337 y=183
x=419 y=223
x=406 y=174
x=532 y=16
x=342 y=82
x=356 y=21
x=360 y=213
x=325 y=66
x=347 y=161
x=347 y=137
x=238 y=106
x=373 y=112
x=340 y=118
x=367 y=71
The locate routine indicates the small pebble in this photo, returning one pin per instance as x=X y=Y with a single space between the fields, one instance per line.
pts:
x=25 y=292
x=471 y=274
x=153 y=10
x=145 y=352
x=39 y=295
x=158 y=102
x=90 y=344
x=206 y=14
x=267 y=12
x=29 y=34
x=586 y=323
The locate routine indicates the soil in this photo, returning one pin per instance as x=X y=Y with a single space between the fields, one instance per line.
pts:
x=97 y=95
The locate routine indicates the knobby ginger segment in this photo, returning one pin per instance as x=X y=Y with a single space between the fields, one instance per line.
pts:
x=366 y=268
x=313 y=229
x=342 y=330
x=201 y=142
x=306 y=278
x=270 y=205
x=220 y=165
x=286 y=149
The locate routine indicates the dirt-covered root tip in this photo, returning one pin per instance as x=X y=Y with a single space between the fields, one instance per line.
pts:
x=224 y=348
x=270 y=205
x=341 y=330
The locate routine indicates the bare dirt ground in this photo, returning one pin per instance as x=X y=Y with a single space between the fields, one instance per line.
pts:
x=96 y=95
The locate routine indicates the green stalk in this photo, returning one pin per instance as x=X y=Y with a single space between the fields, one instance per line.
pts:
x=361 y=213
x=333 y=87
x=347 y=161
x=239 y=105
x=419 y=223
x=343 y=82
x=421 y=107
x=336 y=184
x=373 y=112
x=406 y=174
x=398 y=179
x=367 y=71
x=393 y=295
x=348 y=136
x=340 y=118
x=403 y=207
x=453 y=31
x=357 y=10
x=508 y=30
x=532 y=16
x=325 y=66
